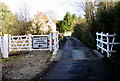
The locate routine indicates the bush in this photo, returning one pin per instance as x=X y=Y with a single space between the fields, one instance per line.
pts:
x=82 y=32
x=109 y=22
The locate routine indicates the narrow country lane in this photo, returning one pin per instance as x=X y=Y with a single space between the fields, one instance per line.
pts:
x=79 y=62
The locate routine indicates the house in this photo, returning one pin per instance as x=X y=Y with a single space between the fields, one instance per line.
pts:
x=43 y=23
x=68 y=33
x=52 y=25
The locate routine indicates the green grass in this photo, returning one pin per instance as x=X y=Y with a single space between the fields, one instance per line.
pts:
x=13 y=57
x=0 y=59
x=48 y=54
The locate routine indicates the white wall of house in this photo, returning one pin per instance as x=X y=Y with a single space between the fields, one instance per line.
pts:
x=68 y=33
x=52 y=25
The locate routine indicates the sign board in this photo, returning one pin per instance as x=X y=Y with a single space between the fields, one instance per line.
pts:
x=40 y=42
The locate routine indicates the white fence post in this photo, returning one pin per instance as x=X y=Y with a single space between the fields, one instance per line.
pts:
x=0 y=41
x=57 y=41
x=50 y=42
x=30 y=42
x=97 y=39
x=101 y=42
x=9 y=42
x=1 y=44
x=113 y=42
x=108 y=53
x=55 y=45
x=5 y=46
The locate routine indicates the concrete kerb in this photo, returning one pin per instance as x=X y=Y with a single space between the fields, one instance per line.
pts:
x=98 y=54
x=56 y=57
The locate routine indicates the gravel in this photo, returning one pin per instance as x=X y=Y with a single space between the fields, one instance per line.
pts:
x=26 y=66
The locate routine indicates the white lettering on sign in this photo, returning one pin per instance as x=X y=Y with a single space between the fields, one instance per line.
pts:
x=40 y=42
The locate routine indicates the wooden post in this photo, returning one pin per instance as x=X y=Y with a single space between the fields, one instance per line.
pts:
x=108 y=53
x=5 y=46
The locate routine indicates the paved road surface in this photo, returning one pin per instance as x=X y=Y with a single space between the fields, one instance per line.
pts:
x=79 y=62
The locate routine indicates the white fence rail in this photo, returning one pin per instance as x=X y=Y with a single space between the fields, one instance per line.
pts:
x=29 y=43
x=105 y=42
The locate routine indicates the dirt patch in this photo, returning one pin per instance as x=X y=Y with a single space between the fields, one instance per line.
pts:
x=26 y=66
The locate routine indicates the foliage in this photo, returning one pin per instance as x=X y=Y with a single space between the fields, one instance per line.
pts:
x=22 y=28
x=7 y=19
x=66 y=24
x=74 y=17
x=82 y=32
x=39 y=24
x=58 y=25
x=105 y=19
x=10 y=24
x=109 y=21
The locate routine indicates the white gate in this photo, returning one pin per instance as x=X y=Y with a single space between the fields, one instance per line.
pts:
x=29 y=43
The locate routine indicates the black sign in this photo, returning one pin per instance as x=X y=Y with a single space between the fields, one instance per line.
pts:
x=40 y=42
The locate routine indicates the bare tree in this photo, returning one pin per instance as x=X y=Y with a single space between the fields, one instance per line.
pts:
x=79 y=6
x=24 y=13
x=24 y=19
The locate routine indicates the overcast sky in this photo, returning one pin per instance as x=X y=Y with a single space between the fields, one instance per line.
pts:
x=57 y=7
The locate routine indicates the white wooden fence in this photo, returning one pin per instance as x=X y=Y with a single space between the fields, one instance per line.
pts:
x=105 y=42
x=29 y=42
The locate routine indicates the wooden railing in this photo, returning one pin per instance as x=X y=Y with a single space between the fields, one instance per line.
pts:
x=105 y=42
